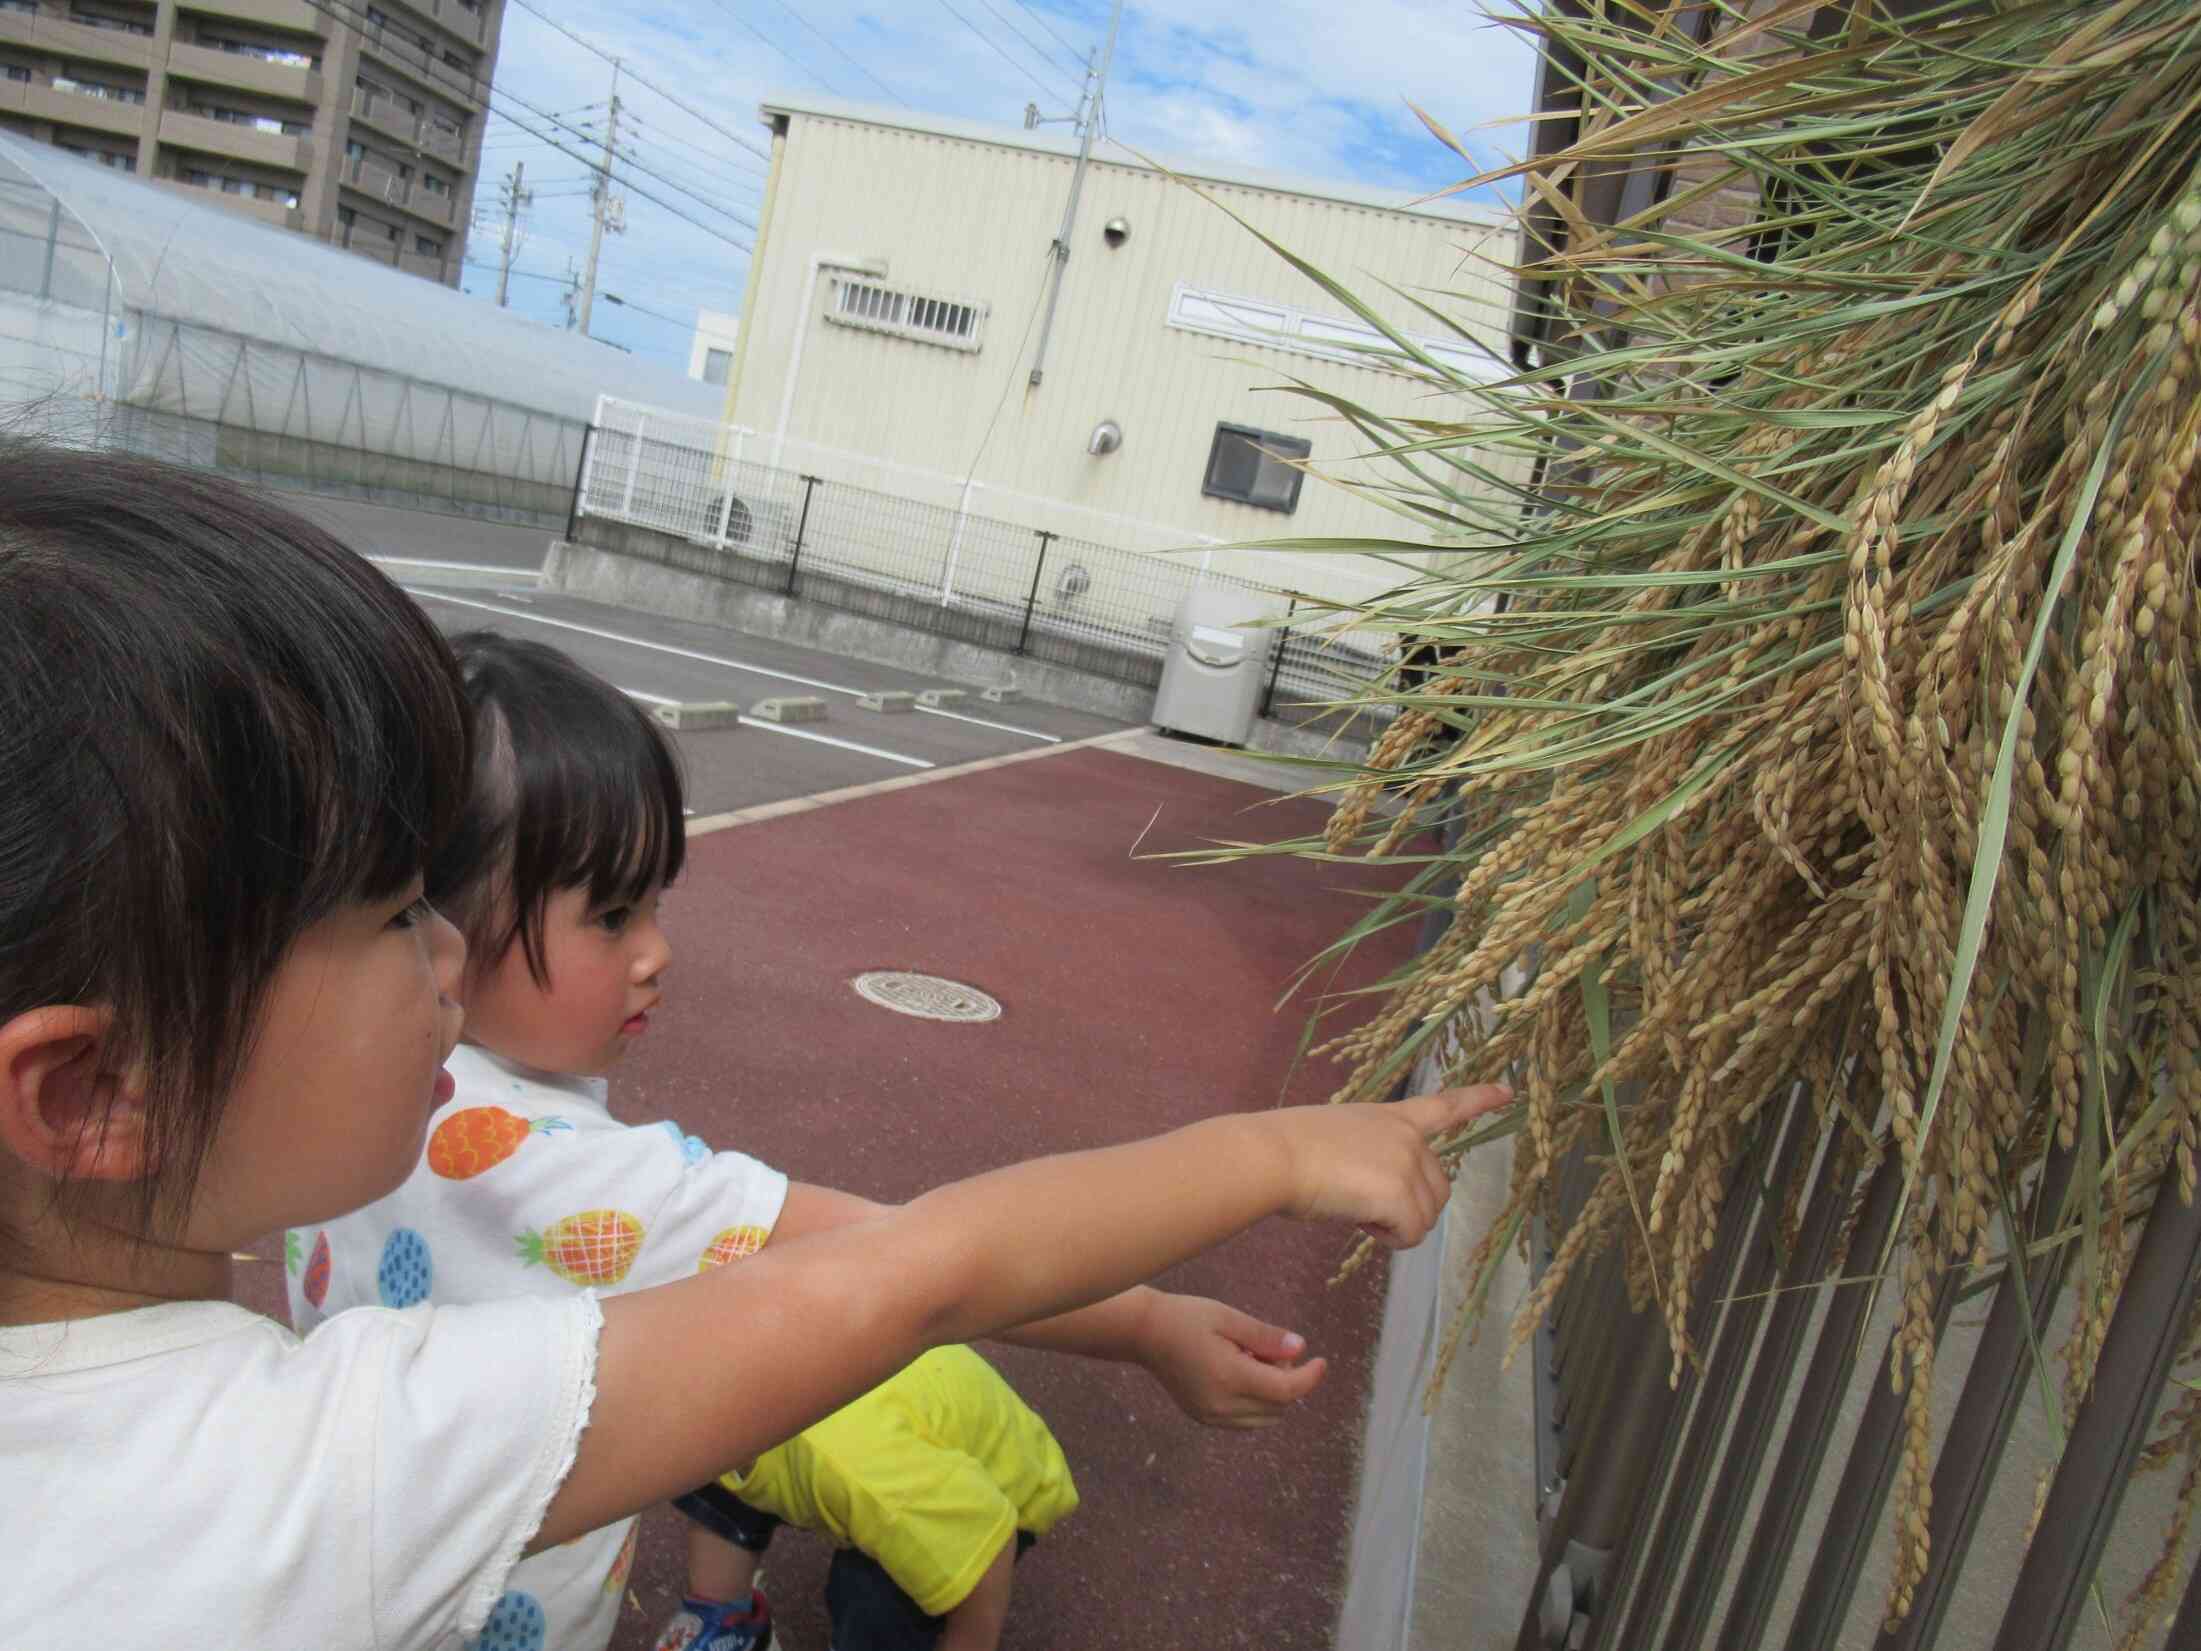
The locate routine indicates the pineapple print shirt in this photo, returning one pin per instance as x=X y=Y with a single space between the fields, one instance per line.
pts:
x=530 y=1187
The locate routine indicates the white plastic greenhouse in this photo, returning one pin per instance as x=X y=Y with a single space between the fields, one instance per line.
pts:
x=160 y=322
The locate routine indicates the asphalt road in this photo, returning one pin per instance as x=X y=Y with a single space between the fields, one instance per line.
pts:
x=381 y=530
x=660 y=661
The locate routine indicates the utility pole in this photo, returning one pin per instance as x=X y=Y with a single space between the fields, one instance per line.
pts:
x=1089 y=108
x=607 y=206
x=570 y=294
x=514 y=198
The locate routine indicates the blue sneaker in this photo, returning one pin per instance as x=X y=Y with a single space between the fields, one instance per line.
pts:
x=713 y=1625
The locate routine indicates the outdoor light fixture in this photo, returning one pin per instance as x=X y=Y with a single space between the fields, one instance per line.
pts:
x=1106 y=438
x=1116 y=231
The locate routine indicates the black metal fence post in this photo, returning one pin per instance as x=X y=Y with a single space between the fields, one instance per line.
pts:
x=802 y=526
x=1031 y=597
x=1276 y=659
x=580 y=480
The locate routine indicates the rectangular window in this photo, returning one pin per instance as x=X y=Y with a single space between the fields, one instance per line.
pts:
x=956 y=323
x=1248 y=465
x=29 y=8
x=354 y=149
x=717 y=365
x=346 y=216
x=433 y=184
x=16 y=71
x=427 y=246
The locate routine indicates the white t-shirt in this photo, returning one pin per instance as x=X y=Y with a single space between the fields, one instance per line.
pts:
x=195 y=1476
x=530 y=1187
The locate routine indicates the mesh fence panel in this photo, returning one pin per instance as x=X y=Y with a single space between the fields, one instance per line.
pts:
x=1068 y=600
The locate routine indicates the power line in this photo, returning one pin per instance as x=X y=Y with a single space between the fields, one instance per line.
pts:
x=538 y=12
x=782 y=50
x=336 y=10
x=715 y=180
x=858 y=67
x=1077 y=74
x=1040 y=18
x=663 y=136
x=725 y=161
x=642 y=309
x=1044 y=88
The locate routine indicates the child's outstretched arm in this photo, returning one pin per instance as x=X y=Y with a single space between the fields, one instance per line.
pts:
x=715 y=1369
x=1223 y=1367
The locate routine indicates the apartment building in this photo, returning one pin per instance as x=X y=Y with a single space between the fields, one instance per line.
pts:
x=357 y=124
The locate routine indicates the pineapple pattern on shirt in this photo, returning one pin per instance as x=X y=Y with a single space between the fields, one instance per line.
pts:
x=529 y=1186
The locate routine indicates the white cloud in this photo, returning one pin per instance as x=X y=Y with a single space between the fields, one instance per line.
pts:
x=1298 y=86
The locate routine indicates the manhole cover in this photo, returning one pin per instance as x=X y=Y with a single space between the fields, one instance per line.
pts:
x=926 y=996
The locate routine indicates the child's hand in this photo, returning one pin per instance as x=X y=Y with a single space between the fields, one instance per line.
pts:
x=1223 y=1367
x=1372 y=1164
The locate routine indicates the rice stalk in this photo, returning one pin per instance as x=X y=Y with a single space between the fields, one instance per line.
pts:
x=1831 y=719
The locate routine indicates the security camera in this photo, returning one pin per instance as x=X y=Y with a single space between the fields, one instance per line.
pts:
x=1116 y=231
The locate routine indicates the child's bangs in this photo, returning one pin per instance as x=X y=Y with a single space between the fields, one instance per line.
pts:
x=577 y=789
x=615 y=809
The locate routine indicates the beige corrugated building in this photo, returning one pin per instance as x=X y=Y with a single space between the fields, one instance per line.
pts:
x=897 y=307
x=342 y=120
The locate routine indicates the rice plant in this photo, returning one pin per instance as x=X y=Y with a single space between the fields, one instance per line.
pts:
x=1821 y=711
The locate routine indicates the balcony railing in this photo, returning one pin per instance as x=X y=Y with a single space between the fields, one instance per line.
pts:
x=60 y=38
x=434 y=266
x=419 y=131
x=383 y=184
x=247 y=72
x=425 y=65
x=240 y=142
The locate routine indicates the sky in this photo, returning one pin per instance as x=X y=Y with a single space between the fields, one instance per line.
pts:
x=1298 y=86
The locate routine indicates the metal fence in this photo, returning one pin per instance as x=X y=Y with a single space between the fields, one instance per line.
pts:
x=1744 y=1508
x=709 y=507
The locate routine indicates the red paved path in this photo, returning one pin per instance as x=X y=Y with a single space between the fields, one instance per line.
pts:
x=1139 y=995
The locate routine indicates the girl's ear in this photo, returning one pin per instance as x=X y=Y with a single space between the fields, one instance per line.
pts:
x=63 y=1111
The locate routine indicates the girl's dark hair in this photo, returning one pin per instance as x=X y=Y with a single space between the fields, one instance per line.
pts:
x=218 y=725
x=574 y=787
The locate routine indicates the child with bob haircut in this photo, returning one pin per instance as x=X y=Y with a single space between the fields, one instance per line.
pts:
x=931 y=1483
x=228 y=748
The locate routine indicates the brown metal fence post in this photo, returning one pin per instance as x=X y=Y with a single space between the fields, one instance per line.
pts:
x=1031 y=597
x=1641 y=1580
x=580 y=480
x=802 y=526
x=1818 y=1406
x=1993 y=1393
x=2136 y=1359
x=1276 y=658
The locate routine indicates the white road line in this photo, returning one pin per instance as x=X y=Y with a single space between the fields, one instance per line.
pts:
x=828 y=739
x=458 y=567
x=633 y=641
x=1004 y=727
x=793 y=733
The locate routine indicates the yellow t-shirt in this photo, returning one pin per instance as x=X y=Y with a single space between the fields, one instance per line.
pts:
x=931 y=1473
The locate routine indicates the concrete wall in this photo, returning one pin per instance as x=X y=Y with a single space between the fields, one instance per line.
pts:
x=1443 y=1547
x=602 y=575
